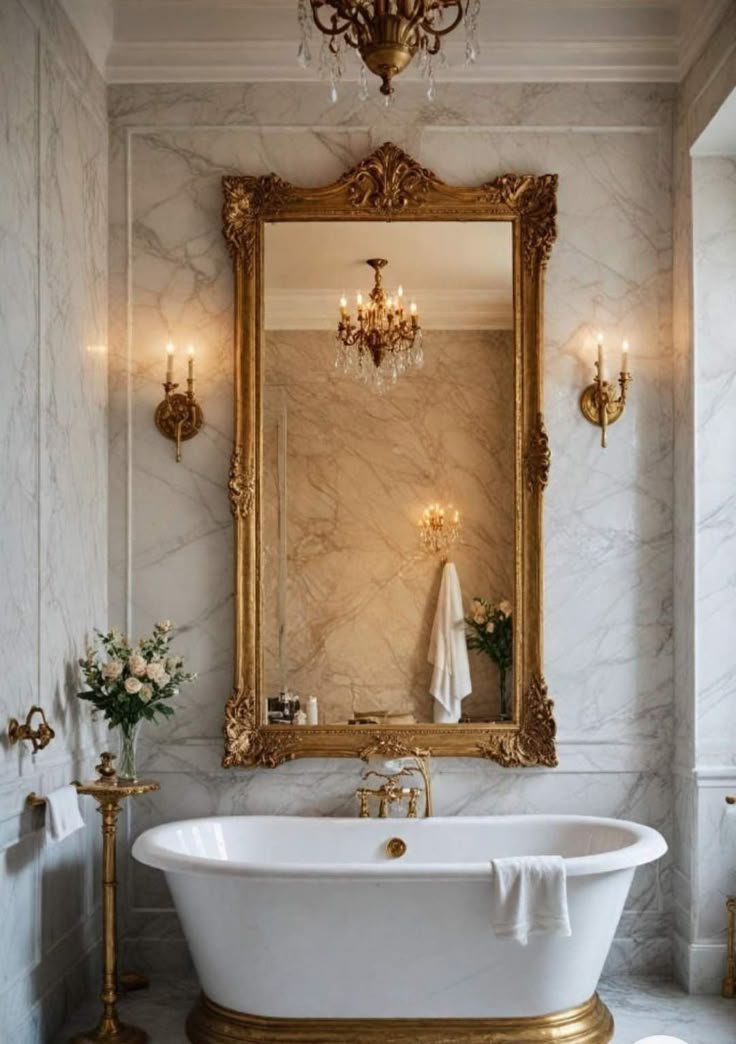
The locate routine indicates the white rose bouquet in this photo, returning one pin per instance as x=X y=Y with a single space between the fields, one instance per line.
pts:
x=131 y=683
x=489 y=630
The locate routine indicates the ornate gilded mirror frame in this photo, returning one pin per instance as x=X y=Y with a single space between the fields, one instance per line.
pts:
x=390 y=185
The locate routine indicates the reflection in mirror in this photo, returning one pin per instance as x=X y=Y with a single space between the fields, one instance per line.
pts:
x=388 y=471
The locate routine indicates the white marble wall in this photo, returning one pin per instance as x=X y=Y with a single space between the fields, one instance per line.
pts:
x=704 y=848
x=608 y=515
x=53 y=472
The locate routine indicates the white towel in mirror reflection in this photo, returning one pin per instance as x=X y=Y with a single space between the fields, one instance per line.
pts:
x=448 y=651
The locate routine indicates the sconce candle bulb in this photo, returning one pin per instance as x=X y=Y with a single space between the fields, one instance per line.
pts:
x=169 y=362
x=178 y=416
x=599 y=403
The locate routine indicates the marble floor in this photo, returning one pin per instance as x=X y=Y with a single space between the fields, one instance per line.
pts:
x=641 y=1008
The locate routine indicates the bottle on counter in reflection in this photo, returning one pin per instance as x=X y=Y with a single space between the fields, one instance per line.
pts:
x=312 y=711
x=282 y=709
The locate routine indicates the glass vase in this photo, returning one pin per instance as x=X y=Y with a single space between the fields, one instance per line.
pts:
x=503 y=678
x=128 y=740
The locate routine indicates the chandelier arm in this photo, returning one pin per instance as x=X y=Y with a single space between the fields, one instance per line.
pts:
x=332 y=29
x=426 y=25
x=357 y=20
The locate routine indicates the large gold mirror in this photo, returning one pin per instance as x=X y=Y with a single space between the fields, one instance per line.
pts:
x=389 y=465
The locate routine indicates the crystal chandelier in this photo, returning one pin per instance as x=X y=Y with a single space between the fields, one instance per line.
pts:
x=387 y=34
x=384 y=340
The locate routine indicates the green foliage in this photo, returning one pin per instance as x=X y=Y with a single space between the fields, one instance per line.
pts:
x=129 y=683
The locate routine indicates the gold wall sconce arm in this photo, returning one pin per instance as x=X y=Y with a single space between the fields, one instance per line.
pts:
x=178 y=416
x=40 y=737
x=602 y=403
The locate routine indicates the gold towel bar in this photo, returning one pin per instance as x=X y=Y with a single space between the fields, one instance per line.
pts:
x=36 y=801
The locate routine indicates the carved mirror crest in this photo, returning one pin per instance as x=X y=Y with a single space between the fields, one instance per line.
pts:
x=303 y=547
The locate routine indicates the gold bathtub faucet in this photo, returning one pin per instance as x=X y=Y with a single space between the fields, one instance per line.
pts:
x=391 y=791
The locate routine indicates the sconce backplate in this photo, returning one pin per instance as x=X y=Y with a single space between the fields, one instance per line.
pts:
x=178 y=412
x=591 y=411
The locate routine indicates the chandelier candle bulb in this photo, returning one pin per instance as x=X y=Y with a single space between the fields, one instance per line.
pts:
x=190 y=356
x=625 y=357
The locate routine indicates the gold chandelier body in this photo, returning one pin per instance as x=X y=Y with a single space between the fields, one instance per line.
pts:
x=387 y=33
x=383 y=340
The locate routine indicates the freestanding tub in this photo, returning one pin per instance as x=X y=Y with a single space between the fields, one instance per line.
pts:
x=308 y=930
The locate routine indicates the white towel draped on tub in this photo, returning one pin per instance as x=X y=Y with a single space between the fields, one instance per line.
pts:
x=62 y=813
x=529 y=897
x=448 y=650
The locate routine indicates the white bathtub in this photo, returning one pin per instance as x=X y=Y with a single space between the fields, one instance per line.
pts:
x=310 y=918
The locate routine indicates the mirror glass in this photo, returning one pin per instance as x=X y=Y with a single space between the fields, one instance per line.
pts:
x=388 y=470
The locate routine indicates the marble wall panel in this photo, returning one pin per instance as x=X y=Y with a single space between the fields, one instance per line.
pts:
x=714 y=240
x=608 y=544
x=701 y=672
x=53 y=556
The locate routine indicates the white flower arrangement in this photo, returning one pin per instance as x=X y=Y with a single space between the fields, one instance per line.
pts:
x=128 y=683
x=489 y=630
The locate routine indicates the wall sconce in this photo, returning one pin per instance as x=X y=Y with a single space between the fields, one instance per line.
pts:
x=178 y=416
x=438 y=530
x=599 y=403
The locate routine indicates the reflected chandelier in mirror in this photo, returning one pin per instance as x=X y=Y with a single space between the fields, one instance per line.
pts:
x=307 y=443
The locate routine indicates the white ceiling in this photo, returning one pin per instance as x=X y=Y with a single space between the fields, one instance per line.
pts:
x=459 y=273
x=521 y=40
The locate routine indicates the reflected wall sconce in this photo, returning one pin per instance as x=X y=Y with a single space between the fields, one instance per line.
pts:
x=439 y=529
x=600 y=403
x=179 y=416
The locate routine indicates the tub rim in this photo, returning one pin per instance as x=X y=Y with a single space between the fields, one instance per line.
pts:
x=647 y=845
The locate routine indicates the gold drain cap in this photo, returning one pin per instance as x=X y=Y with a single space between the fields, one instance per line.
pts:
x=395 y=847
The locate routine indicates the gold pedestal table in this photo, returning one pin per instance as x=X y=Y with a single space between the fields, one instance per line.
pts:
x=109 y=792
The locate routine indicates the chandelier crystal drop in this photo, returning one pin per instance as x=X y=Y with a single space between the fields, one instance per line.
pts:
x=387 y=34
x=384 y=340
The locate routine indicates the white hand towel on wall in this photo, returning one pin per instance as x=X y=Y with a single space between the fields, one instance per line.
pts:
x=530 y=897
x=62 y=813
x=448 y=650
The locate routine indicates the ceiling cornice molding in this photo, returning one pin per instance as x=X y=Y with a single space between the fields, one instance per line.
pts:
x=274 y=61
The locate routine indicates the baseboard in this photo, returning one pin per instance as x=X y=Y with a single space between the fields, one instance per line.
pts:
x=699 y=967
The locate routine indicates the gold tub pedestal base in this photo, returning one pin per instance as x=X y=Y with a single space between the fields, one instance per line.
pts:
x=591 y=1023
x=120 y=1034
